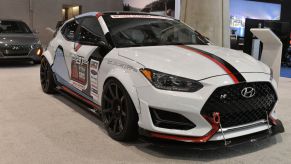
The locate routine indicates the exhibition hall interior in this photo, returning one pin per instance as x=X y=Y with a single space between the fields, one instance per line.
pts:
x=145 y=81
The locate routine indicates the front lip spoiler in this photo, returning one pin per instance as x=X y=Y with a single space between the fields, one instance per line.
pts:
x=169 y=141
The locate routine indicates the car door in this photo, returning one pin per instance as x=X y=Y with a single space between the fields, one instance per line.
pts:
x=64 y=47
x=87 y=57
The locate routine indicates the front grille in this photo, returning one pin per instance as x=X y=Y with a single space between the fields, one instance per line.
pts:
x=235 y=109
x=170 y=120
x=15 y=50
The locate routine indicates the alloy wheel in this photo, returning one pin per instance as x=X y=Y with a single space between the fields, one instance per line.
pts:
x=114 y=110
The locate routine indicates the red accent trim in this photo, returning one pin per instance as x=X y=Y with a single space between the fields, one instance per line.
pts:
x=78 y=46
x=235 y=80
x=215 y=128
x=273 y=120
x=80 y=97
x=99 y=15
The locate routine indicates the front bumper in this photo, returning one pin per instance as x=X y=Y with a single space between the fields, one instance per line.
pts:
x=33 y=54
x=190 y=105
x=254 y=137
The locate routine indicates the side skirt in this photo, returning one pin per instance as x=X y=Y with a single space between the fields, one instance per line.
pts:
x=80 y=100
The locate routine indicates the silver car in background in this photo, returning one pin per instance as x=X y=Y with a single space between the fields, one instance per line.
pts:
x=18 y=42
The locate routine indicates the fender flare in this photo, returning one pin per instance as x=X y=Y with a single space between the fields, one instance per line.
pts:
x=127 y=82
x=49 y=57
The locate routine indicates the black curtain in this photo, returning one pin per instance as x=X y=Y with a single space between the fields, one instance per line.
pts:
x=285 y=12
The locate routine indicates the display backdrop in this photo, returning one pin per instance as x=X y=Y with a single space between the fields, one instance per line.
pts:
x=242 y=9
x=161 y=7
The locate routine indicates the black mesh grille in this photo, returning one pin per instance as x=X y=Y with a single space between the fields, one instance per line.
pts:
x=238 y=110
x=15 y=50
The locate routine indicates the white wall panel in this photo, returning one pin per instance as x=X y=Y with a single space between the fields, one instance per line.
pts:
x=46 y=13
x=210 y=17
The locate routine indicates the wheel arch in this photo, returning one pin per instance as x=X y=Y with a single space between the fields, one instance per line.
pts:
x=127 y=83
x=60 y=47
x=49 y=57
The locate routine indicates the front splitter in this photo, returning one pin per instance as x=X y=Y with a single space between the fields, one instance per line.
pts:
x=251 y=138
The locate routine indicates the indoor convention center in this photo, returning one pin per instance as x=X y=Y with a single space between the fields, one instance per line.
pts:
x=145 y=81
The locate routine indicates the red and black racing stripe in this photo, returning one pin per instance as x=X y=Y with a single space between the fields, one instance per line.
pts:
x=234 y=74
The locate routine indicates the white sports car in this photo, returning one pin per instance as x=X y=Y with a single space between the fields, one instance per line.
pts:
x=153 y=75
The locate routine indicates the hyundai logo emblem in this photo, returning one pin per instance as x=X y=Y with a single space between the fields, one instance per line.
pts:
x=15 y=48
x=248 y=92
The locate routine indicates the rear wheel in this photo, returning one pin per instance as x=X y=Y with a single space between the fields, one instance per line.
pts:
x=46 y=77
x=118 y=112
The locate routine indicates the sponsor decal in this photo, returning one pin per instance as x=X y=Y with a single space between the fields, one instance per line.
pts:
x=122 y=65
x=94 y=66
x=78 y=85
x=79 y=71
x=139 y=16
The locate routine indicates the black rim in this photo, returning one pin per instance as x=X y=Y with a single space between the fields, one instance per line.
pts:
x=114 y=108
x=44 y=71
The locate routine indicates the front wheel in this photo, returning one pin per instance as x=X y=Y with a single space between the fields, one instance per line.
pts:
x=118 y=112
x=46 y=77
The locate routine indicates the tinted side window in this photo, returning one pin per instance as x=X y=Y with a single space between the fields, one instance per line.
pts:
x=9 y=27
x=90 y=31
x=69 y=30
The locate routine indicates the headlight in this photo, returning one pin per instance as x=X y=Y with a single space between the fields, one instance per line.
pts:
x=170 y=82
x=36 y=45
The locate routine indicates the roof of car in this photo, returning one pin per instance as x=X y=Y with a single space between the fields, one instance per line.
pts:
x=128 y=13
x=117 y=13
x=114 y=13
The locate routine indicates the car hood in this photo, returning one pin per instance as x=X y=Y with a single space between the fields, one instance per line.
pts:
x=182 y=62
x=18 y=39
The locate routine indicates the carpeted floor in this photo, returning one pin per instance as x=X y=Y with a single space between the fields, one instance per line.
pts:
x=286 y=72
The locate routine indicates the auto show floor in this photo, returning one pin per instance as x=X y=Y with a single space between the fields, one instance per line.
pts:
x=38 y=128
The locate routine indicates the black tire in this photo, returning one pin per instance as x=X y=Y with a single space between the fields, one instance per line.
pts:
x=118 y=112
x=36 y=61
x=46 y=77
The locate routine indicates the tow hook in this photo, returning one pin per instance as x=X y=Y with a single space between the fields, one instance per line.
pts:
x=216 y=119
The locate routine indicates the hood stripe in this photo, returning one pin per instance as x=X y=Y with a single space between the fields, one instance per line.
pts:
x=234 y=74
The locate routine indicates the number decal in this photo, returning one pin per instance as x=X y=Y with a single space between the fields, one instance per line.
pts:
x=79 y=72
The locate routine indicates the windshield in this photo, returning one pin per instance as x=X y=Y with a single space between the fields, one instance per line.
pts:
x=148 y=30
x=10 y=27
